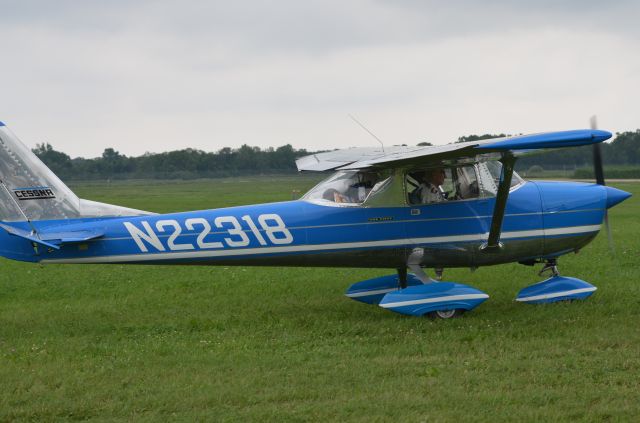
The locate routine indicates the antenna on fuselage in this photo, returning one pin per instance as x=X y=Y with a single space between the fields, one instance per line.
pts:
x=369 y=132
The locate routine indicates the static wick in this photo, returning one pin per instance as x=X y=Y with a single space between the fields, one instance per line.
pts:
x=366 y=129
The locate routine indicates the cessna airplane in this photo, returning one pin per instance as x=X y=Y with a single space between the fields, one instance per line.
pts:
x=456 y=205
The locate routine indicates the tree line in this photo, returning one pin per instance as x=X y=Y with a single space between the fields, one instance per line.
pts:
x=180 y=164
x=191 y=163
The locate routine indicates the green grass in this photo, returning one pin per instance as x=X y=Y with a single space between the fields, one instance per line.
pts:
x=158 y=343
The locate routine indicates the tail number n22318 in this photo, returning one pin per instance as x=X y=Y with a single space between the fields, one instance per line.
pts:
x=273 y=232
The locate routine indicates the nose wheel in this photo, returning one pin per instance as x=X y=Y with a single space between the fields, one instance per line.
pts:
x=556 y=288
x=550 y=266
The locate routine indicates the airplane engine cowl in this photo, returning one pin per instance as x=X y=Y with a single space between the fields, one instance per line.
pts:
x=573 y=213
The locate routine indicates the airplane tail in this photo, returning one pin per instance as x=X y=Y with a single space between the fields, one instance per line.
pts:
x=30 y=191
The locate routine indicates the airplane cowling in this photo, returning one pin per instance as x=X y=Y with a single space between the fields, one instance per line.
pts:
x=556 y=288
x=437 y=296
x=371 y=291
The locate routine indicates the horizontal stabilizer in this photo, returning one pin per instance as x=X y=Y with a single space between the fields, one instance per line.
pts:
x=53 y=239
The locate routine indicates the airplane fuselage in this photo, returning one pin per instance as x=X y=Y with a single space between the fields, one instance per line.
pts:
x=542 y=220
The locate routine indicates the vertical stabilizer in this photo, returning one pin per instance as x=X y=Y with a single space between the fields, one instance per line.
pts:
x=29 y=191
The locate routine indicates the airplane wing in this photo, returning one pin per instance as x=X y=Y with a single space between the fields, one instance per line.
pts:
x=363 y=158
x=338 y=158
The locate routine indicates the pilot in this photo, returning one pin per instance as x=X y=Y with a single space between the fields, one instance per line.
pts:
x=431 y=187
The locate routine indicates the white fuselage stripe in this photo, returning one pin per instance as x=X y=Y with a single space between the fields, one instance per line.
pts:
x=557 y=294
x=354 y=224
x=239 y=252
x=435 y=300
x=372 y=292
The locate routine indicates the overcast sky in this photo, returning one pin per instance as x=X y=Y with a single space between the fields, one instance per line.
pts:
x=164 y=75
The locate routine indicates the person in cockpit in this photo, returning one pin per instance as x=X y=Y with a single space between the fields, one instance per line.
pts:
x=336 y=196
x=431 y=186
x=352 y=190
x=359 y=191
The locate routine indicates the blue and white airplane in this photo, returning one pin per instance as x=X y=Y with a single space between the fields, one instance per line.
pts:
x=457 y=205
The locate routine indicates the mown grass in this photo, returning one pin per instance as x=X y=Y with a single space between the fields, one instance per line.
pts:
x=151 y=343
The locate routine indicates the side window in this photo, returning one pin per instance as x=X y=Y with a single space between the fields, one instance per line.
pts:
x=435 y=185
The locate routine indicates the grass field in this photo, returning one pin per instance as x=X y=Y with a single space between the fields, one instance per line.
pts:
x=159 y=343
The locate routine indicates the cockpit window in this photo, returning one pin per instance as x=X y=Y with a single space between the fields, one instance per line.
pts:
x=345 y=187
x=489 y=172
x=421 y=185
x=434 y=185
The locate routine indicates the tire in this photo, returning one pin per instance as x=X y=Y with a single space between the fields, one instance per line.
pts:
x=446 y=314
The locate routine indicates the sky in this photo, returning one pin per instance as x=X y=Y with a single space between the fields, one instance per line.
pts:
x=154 y=76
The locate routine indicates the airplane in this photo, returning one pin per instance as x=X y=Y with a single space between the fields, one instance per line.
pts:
x=401 y=208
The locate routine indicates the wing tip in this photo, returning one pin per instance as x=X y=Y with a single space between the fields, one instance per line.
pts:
x=2 y=123
x=599 y=135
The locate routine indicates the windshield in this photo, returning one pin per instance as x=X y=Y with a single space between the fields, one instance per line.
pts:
x=344 y=187
x=490 y=177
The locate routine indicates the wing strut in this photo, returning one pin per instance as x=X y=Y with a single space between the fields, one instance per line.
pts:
x=508 y=161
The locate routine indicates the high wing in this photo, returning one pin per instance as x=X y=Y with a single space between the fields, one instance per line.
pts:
x=363 y=158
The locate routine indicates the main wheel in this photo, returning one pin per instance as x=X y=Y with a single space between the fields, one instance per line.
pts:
x=446 y=314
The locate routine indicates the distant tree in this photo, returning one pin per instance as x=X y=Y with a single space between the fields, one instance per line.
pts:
x=112 y=163
x=57 y=161
x=466 y=138
x=424 y=144
x=284 y=158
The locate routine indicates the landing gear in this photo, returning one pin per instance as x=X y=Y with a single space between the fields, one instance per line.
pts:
x=420 y=274
x=402 y=277
x=446 y=314
x=416 y=294
x=556 y=288
x=433 y=298
x=550 y=266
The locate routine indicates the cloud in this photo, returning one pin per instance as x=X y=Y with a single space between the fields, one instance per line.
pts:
x=155 y=76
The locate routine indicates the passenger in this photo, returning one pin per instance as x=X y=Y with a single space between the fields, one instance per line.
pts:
x=352 y=190
x=361 y=189
x=334 y=195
